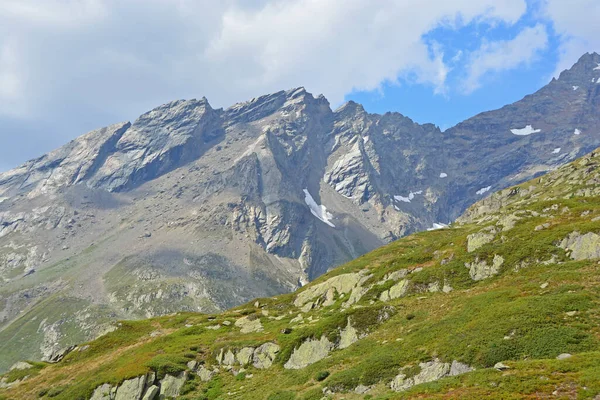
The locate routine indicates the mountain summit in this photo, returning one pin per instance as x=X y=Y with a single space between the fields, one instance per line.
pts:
x=199 y=209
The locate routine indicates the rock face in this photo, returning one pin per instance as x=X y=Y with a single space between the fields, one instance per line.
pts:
x=191 y=208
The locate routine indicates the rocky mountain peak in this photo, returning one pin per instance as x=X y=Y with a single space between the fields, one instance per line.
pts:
x=585 y=73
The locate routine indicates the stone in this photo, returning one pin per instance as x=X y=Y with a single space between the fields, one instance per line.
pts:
x=102 y=392
x=479 y=239
x=226 y=323
x=544 y=285
x=396 y=291
x=264 y=355
x=563 y=356
x=248 y=325
x=479 y=270
x=151 y=393
x=131 y=389
x=170 y=385
x=582 y=247
x=309 y=353
x=244 y=355
x=191 y=365
x=205 y=374
x=501 y=366
x=342 y=284
x=458 y=368
x=430 y=371
x=229 y=358
x=348 y=336
x=21 y=365
x=362 y=389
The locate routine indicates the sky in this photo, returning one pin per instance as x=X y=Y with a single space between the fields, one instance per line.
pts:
x=71 y=66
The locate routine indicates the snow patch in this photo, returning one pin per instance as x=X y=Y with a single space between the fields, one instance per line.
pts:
x=594 y=80
x=443 y=175
x=598 y=67
x=528 y=130
x=411 y=196
x=319 y=211
x=577 y=132
x=3 y=199
x=575 y=87
x=366 y=139
x=483 y=190
x=437 y=225
x=556 y=150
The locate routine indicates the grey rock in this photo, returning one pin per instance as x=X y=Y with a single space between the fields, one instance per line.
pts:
x=205 y=374
x=21 y=365
x=582 y=247
x=348 y=336
x=479 y=270
x=563 y=356
x=244 y=355
x=248 y=325
x=264 y=355
x=151 y=393
x=309 y=353
x=131 y=389
x=102 y=392
x=501 y=366
x=458 y=368
x=170 y=386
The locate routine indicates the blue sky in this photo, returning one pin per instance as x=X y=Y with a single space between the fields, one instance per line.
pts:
x=70 y=66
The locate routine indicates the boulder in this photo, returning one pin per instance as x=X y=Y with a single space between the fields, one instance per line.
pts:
x=348 y=336
x=309 y=353
x=479 y=239
x=244 y=356
x=248 y=325
x=582 y=247
x=563 y=356
x=21 y=365
x=341 y=284
x=479 y=270
x=430 y=371
x=205 y=374
x=264 y=355
x=151 y=393
x=102 y=392
x=131 y=389
x=170 y=385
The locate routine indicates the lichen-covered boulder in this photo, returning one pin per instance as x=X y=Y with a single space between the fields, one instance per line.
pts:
x=479 y=239
x=348 y=336
x=479 y=270
x=248 y=325
x=170 y=386
x=102 y=392
x=582 y=247
x=309 y=353
x=131 y=389
x=264 y=355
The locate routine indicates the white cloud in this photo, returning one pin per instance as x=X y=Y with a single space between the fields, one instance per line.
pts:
x=505 y=55
x=576 y=21
x=85 y=63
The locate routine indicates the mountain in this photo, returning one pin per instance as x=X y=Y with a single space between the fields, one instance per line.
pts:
x=502 y=304
x=191 y=208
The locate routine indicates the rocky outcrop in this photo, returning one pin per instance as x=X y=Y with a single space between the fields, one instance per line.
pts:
x=480 y=269
x=249 y=324
x=261 y=357
x=430 y=371
x=170 y=386
x=348 y=336
x=476 y=240
x=582 y=247
x=309 y=352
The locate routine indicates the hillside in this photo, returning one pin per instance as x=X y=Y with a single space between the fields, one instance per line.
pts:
x=502 y=304
x=191 y=208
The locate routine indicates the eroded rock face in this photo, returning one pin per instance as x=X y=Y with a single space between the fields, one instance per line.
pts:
x=309 y=353
x=582 y=247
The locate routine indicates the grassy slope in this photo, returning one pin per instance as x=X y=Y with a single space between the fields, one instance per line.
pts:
x=468 y=324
